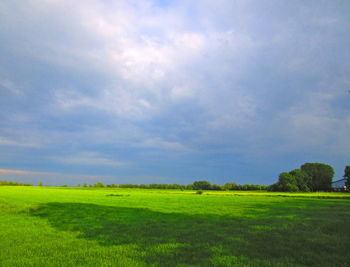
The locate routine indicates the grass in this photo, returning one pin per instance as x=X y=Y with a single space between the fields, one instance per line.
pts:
x=132 y=227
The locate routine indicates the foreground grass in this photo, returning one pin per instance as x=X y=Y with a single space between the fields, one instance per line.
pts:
x=130 y=227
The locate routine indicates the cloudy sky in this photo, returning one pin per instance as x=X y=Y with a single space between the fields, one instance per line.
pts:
x=161 y=91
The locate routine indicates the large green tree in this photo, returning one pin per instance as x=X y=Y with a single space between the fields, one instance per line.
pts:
x=287 y=182
x=321 y=176
x=302 y=180
x=347 y=176
x=293 y=181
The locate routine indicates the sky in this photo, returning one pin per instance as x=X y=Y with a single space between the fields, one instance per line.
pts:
x=153 y=91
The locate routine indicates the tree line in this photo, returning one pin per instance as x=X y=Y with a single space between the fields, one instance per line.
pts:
x=4 y=182
x=197 y=185
x=311 y=177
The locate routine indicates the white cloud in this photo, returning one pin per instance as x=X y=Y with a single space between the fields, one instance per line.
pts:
x=189 y=74
x=149 y=62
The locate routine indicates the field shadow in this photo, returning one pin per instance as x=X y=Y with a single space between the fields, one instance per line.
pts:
x=196 y=238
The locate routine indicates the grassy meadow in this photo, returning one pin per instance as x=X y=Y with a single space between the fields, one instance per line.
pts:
x=43 y=226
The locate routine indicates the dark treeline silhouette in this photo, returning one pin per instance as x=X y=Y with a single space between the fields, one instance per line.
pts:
x=197 y=185
x=4 y=182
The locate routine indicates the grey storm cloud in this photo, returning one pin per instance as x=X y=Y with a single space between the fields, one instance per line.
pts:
x=183 y=87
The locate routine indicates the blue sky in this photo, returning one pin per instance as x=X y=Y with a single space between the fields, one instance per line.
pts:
x=172 y=91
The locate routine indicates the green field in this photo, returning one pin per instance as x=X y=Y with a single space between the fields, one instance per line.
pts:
x=42 y=226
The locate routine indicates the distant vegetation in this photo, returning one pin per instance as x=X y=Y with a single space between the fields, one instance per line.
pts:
x=197 y=185
x=4 y=182
x=310 y=177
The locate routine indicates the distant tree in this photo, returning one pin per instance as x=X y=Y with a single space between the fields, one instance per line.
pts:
x=99 y=184
x=347 y=176
x=216 y=187
x=231 y=186
x=189 y=187
x=201 y=185
x=64 y=185
x=4 y=182
x=273 y=188
x=321 y=176
x=78 y=185
x=243 y=187
x=40 y=183
x=128 y=186
x=253 y=187
x=85 y=185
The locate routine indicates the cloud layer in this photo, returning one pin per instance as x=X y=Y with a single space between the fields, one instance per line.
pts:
x=217 y=90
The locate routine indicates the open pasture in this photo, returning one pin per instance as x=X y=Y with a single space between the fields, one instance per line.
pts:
x=43 y=226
